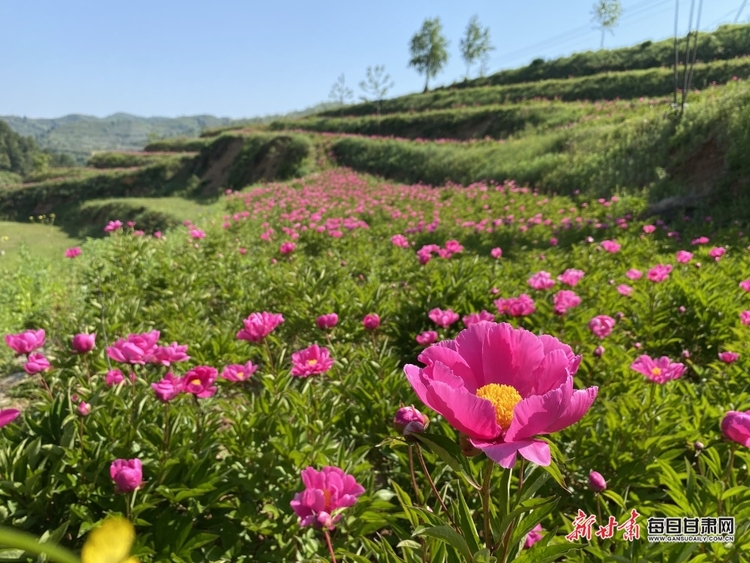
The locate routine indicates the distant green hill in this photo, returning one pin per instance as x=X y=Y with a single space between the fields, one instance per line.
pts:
x=16 y=151
x=80 y=135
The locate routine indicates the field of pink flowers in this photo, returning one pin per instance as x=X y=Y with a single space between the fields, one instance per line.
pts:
x=342 y=369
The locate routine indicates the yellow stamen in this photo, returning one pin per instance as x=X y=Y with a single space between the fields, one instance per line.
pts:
x=656 y=371
x=312 y=362
x=240 y=375
x=504 y=398
x=195 y=382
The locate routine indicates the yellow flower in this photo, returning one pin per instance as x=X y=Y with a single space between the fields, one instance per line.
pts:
x=110 y=543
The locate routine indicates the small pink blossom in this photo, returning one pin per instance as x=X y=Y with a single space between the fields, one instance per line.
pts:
x=728 y=357
x=167 y=355
x=602 y=325
x=745 y=318
x=611 y=246
x=83 y=408
x=73 y=252
x=745 y=284
x=496 y=253
x=327 y=321
x=625 y=290
x=648 y=229
x=701 y=240
x=717 y=252
x=238 y=372
x=127 y=474
x=8 y=415
x=633 y=274
x=199 y=381
x=533 y=536
x=114 y=377
x=135 y=349
x=313 y=360
x=541 y=280
x=28 y=341
x=571 y=277
x=196 y=233
x=371 y=321
x=288 y=247
x=683 y=256
x=443 y=318
x=400 y=241
x=259 y=325
x=564 y=300
x=599 y=351
x=736 y=426
x=659 y=273
x=168 y=388
x=84 y=343
x=426 y=338
x=327 y=492
x=659 y=371
x=521 y=306
x=36 y=363
x=474 y=318
x=409 y=420
x=113 y=226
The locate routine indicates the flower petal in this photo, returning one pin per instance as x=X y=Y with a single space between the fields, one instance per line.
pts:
x=537 y=452
x=577 y=407
x=534 y=414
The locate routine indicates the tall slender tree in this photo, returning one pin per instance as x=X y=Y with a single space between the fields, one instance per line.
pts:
x=606 y=14
x=340 y=92
x=376 y=85
x=429 y=52
x=475 y=45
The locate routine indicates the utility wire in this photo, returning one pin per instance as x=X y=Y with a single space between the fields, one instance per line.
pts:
x=739 y=12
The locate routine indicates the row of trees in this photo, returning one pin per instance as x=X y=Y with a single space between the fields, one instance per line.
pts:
x=429 y=53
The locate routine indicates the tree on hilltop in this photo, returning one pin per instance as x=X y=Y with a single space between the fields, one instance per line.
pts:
x=376 y=86
x=606 y=14
x=475 y=45
x=340 y=92
x=428 y=50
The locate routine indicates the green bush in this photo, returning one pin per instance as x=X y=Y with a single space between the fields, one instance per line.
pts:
x=623 y=85
x=179 y=144
x=103 y=160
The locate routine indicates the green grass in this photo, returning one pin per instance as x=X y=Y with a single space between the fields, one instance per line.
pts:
x=177 y=207
x=43 y=240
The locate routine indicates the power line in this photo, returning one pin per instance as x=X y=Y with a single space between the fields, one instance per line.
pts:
x=739 y=12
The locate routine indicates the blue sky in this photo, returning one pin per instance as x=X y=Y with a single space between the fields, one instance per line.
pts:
x=242 y=58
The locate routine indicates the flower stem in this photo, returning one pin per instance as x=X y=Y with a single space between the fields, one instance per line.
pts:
x=434 y=489
x=488 y=467
x=330 y=546
x=651 y=416
x=270 y=357
x=417 y=492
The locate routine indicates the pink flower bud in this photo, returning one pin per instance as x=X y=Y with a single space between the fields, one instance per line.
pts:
x=597 y=482
x=599 y=351
x=409 y=420
x=84 y=408
x=84 y=343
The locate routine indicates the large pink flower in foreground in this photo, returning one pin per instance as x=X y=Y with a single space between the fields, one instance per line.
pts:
x=327 y=492
x=736 y=427
x=259 y=325
x=313 y=360
x=660 y=370
x=501 y=387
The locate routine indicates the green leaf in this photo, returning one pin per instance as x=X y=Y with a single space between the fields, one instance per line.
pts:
x=448 y=535
x=545 y=554
x=466 y=521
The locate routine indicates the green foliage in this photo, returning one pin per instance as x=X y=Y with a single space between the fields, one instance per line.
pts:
x=428 y=50
x=17 y=153
x=624 y=85
x=128 y=159
x=475 y=45
x=606 y=13
x=180 y=144
x=727 y=42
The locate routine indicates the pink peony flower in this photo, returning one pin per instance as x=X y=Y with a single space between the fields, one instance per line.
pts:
x=625 y=290
x=166 y=355
x=443 y=318
x=745 y=284
x=327 y=321
x=196 y=233
x=113 y=226
x=427 y=338
x=409 y=420
x=611 y=246
x=83 y=408
x=571 y=277
x=648 y=229
x=564 y=300
x=400 y=241
x=728 y=357
x=659 y=371
x=474 y=318
x=659 y=273
x=199 y=381
x=83 y=343
x=736 y=426
x=168 y=388
x=717 y=252
x=633 y=274
x=683 y=256
x=520 y=306
x=135 y=349
x=327 y=492
x=371 y=321
x=453 y=246
x=73 y=252
x=238 y=372
x=533 y=536
x=36 y=363
x=114 y=377
x=501 y=387
x=259 y=325
x=597 y=482
x=496 y=253
x=602 y=326
x=745 y=317
x=127 y=474
x=8 y=415
x=599 y=351
x=701 y=240
x=25 y=342
x=541 y=280
x=313 y=360
x=287 y=247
